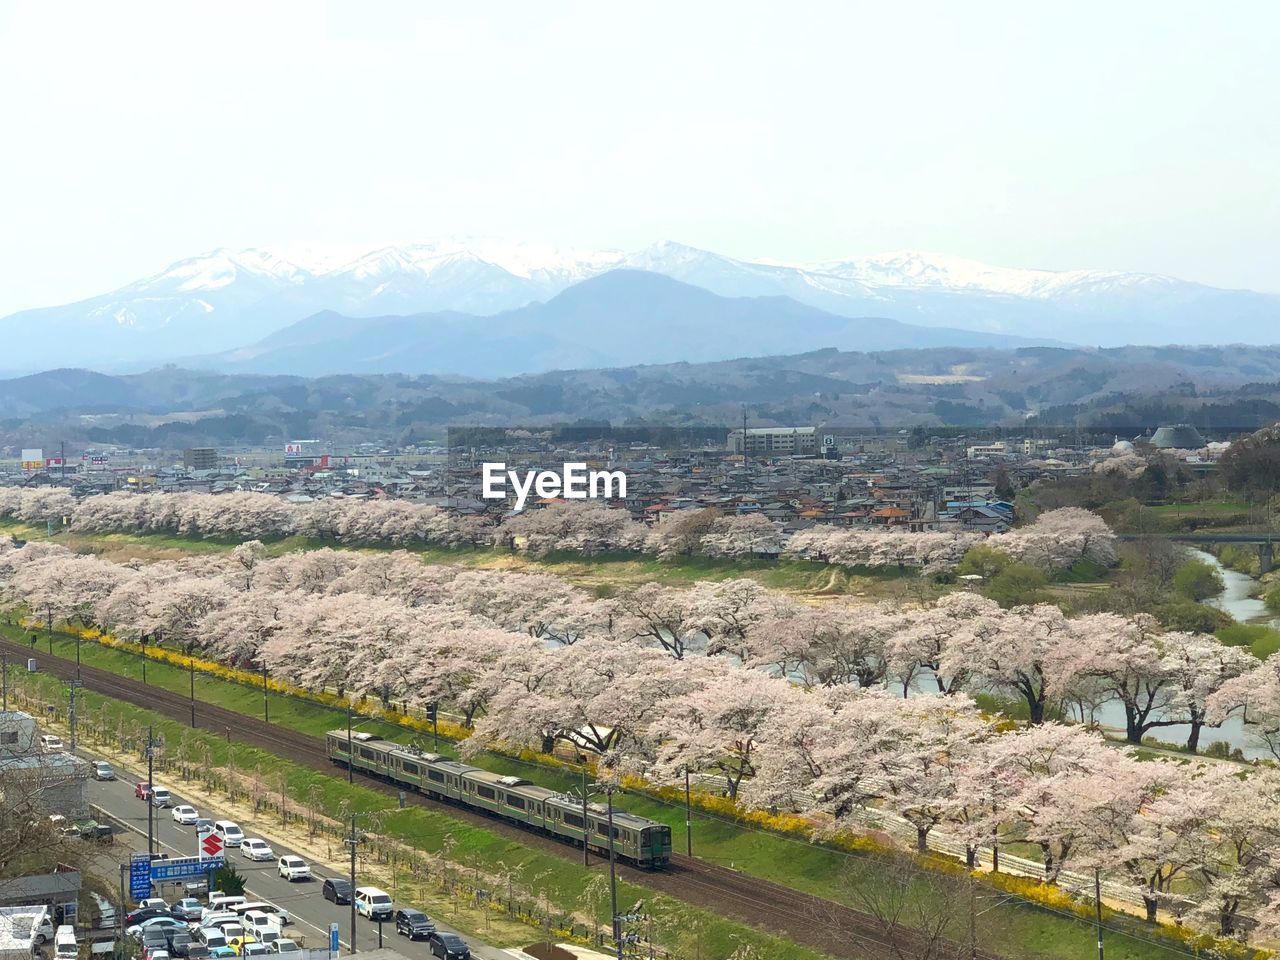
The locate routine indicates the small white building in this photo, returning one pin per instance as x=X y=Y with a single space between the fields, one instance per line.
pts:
x=19 y=927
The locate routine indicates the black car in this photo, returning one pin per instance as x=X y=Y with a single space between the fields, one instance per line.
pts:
x=197 y=951
x=154 y=938
x=179 y=941
x=339 y=891
x=145 y=913
x=413 y=924
x=448 y=946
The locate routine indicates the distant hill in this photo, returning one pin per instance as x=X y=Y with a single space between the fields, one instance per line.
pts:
x=1128 y=390
x=620 y=318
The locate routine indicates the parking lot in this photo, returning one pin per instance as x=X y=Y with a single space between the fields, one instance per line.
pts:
x=309 y=912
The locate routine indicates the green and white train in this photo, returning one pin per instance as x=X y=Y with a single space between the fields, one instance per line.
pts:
x=637 y=840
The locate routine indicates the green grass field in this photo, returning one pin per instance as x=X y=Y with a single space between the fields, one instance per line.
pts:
x=1018 y=929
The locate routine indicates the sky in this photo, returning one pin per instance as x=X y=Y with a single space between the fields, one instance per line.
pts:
x=1137 y=136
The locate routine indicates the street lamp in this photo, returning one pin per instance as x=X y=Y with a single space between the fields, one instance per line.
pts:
x=352 y=841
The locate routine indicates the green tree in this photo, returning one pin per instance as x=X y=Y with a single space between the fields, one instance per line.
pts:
x=1197 y=580
x=983 y=560
x=228 y=879
x=1017 y=584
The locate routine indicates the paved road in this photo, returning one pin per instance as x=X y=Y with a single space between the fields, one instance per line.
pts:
x=311 y=913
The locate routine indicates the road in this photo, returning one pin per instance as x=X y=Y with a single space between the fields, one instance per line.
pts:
x=311 y=913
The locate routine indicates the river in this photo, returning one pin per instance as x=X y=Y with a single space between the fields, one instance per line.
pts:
x=1235 y=600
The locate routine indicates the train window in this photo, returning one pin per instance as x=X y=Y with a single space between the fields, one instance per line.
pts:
x=435 y=775
x=487 y=793
x=339 y=745
x=409 y=767
x=602 y=828
x=572 y=819
x=367 y=754
x=514 y=801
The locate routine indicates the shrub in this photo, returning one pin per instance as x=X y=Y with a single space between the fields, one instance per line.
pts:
x=1197 y=580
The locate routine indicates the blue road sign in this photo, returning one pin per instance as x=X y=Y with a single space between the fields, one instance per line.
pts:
x=184 y=868
x=333 y=938
x=139 y=876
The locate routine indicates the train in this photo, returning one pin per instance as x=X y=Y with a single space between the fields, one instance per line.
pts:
x=636 y=840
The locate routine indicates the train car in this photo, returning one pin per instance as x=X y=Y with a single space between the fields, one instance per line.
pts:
x=638 y=840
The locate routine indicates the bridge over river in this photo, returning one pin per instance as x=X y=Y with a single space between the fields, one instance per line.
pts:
x=1263 y=540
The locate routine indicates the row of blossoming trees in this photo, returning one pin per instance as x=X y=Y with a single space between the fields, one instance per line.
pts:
x=783 y=702
x=1056 y=540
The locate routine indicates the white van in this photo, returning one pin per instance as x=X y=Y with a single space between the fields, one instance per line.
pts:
x=65 y=945
x=373 y=903
x=258 y=923
x=229 y=831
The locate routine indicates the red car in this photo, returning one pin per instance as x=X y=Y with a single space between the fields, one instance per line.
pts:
x=142 y=791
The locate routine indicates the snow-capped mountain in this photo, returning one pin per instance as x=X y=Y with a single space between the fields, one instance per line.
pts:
x=226 y=299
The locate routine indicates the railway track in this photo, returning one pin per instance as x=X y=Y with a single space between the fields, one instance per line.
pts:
x=813 y=921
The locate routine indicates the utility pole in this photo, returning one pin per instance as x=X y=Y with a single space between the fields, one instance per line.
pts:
x=71 y=711
x=77 y=656
x=688 y=816
x=4 y=659
x=351 y=773
x=266 y=705
x=144 y=658
x=191 y=666
x=1097 y=907
x=351 y=842
x=613 y=878
x=586 y=852
x=151 y=807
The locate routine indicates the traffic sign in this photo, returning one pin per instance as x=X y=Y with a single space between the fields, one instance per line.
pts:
x=184 y=868
x=140 y=876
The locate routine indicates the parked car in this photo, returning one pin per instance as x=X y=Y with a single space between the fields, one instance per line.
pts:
x=155 y=953
x=229 y=831
x=259 y=922
x=217 y=919
x=225 y=901
x=293 y=868
x=256 y=849
x=179 y=940
x=135 y=917
x=188 y=908
x=65 y=944
x=448 y=946
x=336 y=890
x=373 y=903
x=261 y=906
x=147 y=902
x=161 y=797
x=51 y=744
x=152 y=938
x=197 y=951
x=142 y=790
x=43 y=932
x=103 y=770
x=284 y=945
x=185 y=814
x=211 y=937
x=160 y=924
x=413 y=924
x=256 y=950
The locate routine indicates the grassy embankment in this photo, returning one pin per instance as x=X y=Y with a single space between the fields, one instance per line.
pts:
x=1016 y=929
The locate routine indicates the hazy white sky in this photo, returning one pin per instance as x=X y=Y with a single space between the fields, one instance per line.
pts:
x=1134 y=136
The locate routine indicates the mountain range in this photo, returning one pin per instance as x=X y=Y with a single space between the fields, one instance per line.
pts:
x=225 y=308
